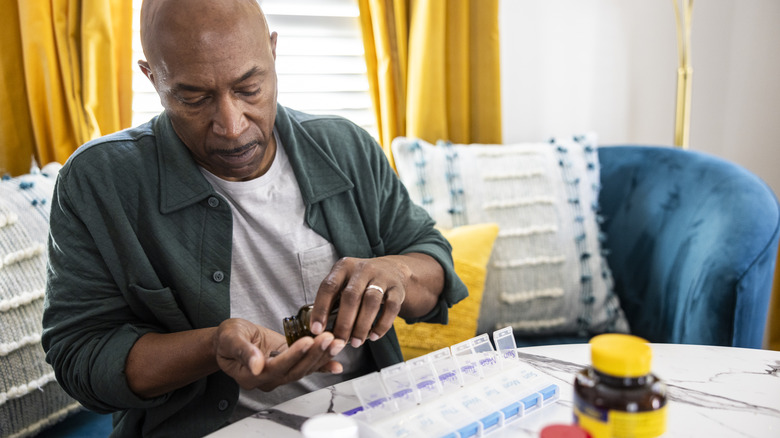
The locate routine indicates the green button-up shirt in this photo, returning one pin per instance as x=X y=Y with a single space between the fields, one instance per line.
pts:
x=140 y=242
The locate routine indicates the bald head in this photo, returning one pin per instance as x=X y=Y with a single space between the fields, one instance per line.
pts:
x=213 y=64
x=191 y=24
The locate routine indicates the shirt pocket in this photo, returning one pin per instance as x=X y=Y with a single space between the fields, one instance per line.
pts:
x=162 y=304
x=315 y=264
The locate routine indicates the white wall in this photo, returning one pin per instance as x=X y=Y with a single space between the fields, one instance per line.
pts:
x=610 y=66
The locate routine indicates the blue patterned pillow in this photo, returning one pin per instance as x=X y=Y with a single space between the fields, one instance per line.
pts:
x=30 y=397
x=547 y=274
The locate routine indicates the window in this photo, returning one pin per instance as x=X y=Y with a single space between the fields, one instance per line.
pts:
x=319 y=61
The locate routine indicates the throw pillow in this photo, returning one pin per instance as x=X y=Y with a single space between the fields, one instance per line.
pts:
x=30 y=397
x=547 y=275
x=471 y=249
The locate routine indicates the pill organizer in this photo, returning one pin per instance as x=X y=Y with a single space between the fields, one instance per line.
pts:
x=467 y=390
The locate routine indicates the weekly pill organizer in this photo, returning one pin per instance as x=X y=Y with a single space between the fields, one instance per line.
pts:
x=467 y=390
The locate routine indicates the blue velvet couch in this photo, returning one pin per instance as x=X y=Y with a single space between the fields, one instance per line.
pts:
x=692 y=243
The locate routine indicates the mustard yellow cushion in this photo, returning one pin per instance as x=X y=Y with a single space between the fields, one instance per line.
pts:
x=471 y=248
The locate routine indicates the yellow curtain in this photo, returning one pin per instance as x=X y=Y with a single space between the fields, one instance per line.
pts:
x=773 y=321
x=433 y=68
x=66 y=77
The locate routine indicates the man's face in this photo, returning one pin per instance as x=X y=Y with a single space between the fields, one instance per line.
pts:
x=219 y=90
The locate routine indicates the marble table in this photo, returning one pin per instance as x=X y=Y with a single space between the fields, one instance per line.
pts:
x=712 y=391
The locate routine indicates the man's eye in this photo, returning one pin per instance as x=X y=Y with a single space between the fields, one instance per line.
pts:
x=196 y=103
x=192 y=101
x=249 y=92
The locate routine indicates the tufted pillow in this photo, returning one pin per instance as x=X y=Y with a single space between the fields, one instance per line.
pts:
x=547 y=275
x=30 y=397
x=471 y=248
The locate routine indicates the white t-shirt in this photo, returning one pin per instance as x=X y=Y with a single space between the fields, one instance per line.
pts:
x=277 y=266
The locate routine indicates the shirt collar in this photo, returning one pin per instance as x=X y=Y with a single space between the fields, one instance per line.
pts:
x=182 y=184
x=318 y=174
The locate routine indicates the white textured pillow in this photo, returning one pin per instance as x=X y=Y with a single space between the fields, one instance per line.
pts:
x=30 y=397
x=547 y=275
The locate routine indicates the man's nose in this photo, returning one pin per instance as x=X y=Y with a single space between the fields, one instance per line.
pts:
x=229 y=118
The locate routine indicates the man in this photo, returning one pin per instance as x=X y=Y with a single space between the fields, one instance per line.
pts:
x=177 y=247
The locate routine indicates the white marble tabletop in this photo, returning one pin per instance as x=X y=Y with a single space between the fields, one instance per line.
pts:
x=712 y=392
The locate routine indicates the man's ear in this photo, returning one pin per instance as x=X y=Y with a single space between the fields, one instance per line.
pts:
x=147 y=71
x=273 y=44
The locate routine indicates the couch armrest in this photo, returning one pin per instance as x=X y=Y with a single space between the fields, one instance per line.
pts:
x=84 y=424
x=693 y=242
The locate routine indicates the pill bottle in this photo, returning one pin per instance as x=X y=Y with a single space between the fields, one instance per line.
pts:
x=618 y=396
x=297 y=326
x=330 y=426
x=563 y=431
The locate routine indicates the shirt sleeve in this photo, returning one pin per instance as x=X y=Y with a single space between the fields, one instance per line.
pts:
x=88 y=328
x=406 y=227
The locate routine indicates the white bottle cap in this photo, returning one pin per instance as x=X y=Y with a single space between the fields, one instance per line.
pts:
x=330 y=426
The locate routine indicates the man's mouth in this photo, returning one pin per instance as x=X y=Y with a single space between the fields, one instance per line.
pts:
x=237 y=154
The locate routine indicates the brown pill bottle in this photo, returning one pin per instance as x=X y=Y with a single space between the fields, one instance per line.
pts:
x=297 y=326
x=618 y=396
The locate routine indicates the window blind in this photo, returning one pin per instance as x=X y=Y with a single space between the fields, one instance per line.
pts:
x=319 y=61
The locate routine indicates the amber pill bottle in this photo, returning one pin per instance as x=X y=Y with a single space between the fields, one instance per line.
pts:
x=297 y=326
x=618 y=396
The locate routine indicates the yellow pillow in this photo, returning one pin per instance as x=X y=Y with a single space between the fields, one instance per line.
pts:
x=471 y=248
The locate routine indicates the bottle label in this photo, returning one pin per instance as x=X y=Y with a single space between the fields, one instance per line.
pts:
x=601 y=423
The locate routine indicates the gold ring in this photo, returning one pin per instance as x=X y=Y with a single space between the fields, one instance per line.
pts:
x=371 y=286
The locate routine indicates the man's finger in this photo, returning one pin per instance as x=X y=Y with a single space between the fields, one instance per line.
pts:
x=349 y=306
x=317 y=356
x=369 y=309
x=332 y=367
x=327 y=295
x=304 y=357
x=390 y=310
x=256 y=363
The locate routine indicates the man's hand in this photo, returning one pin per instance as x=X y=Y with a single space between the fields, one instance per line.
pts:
x=257 y=357
x=385 y=287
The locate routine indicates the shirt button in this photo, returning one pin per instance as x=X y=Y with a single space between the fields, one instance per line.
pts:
x=218 y=276
x=213 y=202
x=223 y=404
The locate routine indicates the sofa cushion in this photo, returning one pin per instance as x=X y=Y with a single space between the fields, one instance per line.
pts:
x=30 y=397
x=547 y=275
x=471 y=249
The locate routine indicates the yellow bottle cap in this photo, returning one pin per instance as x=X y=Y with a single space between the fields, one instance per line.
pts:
x=621 y=355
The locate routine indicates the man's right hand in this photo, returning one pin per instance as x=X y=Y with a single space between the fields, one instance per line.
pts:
x=160 y=363
x=257 y=357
